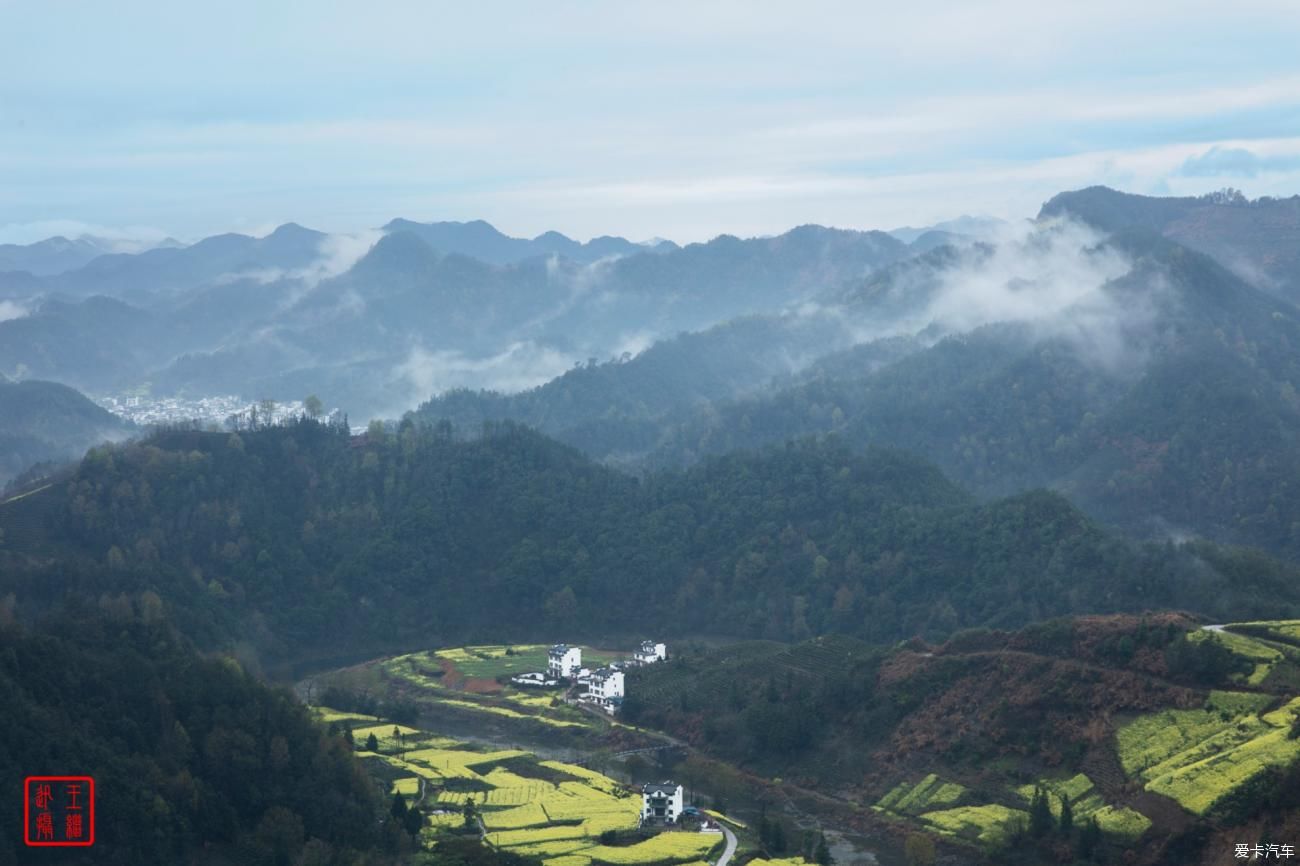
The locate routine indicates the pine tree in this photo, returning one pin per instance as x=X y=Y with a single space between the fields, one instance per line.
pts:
x=778 y=838
x=1089 y=838
x=823 y=856
x=809 y=845
x=372 y=743
x=1067 y=817
x=1040 y=815
x=470 y=823
x=398 y=808
x=413 y=821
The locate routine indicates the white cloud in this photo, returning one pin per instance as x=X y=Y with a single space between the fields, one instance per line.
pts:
x=519 y=366
x=338 y=253
x=12 y=310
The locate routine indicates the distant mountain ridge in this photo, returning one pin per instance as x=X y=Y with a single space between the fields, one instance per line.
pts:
x=1177 y=413
x=1259 y=240
x=480 y=240
x=58 y=254
x=402 y=320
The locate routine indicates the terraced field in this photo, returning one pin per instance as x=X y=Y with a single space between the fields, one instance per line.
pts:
x=935 y=802
x=465 y=679
x=931 y=792
x=986 y=825
x=1262 y=655
x=1199 y=756
x=548 y=809
x=1086 y=802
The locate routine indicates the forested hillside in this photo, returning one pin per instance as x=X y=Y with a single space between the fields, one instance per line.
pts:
x=1163 y=404
x=1258 y=239
x=191 y=757
x=1114 y=715
x=300 y=537
x=46 y=421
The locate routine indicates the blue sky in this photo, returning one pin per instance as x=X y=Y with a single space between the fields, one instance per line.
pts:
x=682 y=120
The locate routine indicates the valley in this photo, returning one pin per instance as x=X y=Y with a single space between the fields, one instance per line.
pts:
x=1191 y=728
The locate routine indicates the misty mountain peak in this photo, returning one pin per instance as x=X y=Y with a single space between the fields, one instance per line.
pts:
x=290 y=231
x=397 y=251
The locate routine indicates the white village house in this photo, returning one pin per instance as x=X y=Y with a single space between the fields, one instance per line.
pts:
x=661 y=802
x=650 y=652
x=534 y=680
x=605 y=689
x=563 y=661
x=604 y=684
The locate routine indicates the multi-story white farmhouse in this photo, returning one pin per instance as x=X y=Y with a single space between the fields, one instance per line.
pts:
x=563 y=661
x=604 y=684
x=661 y=802
x=650 y=652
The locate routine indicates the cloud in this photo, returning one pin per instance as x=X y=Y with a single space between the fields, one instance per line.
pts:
x=1055 y=277
x=12 y=310
x=338 y=253
x=1237 y=162
x=519 y=366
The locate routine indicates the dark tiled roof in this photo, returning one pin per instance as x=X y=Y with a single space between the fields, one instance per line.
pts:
x=660 y=788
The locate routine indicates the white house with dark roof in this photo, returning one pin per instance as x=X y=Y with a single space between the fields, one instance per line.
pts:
x=563 y=661
x=661 y=802
x=604 y=684
x=534 y=680
x=650 y=652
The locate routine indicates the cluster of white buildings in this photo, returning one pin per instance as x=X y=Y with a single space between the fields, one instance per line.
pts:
x=603 y=687
x=223 y=411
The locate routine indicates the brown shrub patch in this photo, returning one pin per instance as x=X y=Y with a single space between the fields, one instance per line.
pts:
x=481 y=686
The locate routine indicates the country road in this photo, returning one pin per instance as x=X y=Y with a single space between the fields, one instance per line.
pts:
x=730 y=850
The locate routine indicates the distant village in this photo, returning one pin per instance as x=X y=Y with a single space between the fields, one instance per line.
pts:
x=222 y=412
x=602 y=688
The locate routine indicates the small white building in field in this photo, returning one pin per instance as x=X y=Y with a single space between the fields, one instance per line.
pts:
x=534 y=679
x=563 y=661
x=661 y=802
x=650 y=652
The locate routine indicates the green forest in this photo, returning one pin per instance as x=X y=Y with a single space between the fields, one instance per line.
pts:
x=287 y=540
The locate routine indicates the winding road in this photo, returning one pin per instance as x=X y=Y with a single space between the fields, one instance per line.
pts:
x=731 y=846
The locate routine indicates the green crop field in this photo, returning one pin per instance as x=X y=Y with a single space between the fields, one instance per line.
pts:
x=1238 y=703
x=489 y=662
x=987 y=825
x=547 y=809
x=664 y=848
x=1284 y=629
x=1260 y=654
x=327 y=715
x=1197 y=756
x=1086 y=802
x=931 y=792
x=454 y=678
x=505 y=712
x=933 y=802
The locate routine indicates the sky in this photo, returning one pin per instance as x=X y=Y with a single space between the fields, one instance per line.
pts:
x=139 y=120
